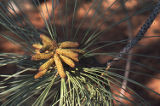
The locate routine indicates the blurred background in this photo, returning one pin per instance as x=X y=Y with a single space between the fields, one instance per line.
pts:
x=104 y=16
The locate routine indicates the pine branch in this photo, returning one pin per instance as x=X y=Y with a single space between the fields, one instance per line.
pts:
x=138 y=37
x=129 y=57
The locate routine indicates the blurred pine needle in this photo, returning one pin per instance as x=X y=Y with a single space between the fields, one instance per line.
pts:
x=88 y=83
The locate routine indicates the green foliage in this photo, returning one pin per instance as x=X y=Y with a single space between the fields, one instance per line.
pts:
x=89 y=83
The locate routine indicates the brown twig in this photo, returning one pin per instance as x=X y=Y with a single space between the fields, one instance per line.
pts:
x=138 y=37
x=129 y=57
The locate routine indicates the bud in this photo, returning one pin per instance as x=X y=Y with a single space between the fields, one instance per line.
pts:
x=66 y=52
x=77 y=50
x=68 y=44
x=59 y=66
x=47 y=64
x=40 y=56
x=37 y=46
x=39 y=74
x=46 y=40
x=68 y=61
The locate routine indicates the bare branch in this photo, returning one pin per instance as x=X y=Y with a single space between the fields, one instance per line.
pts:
x=138 y=37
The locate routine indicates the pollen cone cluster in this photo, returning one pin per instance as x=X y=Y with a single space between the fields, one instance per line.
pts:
x=55 y=54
